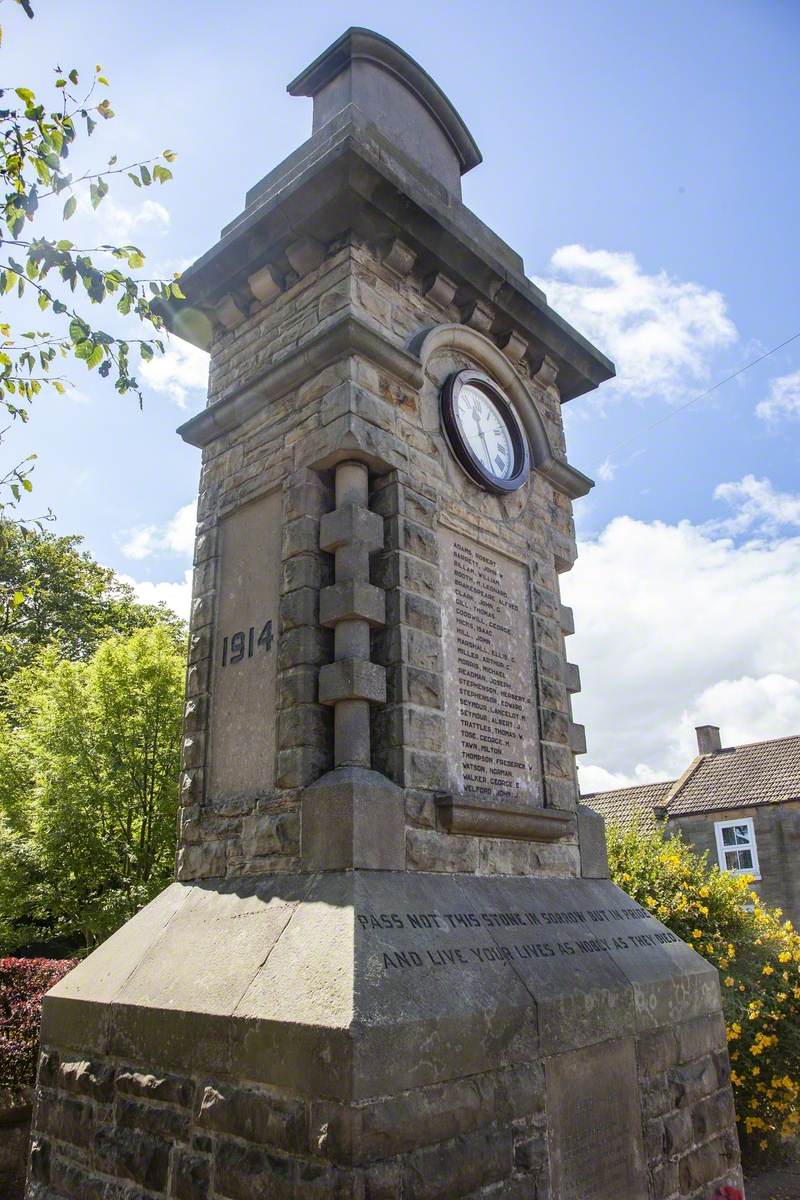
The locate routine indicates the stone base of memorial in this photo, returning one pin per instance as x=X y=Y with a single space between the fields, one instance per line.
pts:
x=380 y=1034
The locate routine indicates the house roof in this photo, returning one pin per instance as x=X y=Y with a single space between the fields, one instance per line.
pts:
x=741 y=777
x=735 y=777
x=626 y=805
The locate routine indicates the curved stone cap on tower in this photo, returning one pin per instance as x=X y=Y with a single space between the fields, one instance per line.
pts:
x=392 y=90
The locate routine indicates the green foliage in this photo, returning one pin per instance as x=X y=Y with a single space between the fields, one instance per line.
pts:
x=51 y=590
x=37 y=139
x=90 y=705
x=89 y=760
x=758 y=957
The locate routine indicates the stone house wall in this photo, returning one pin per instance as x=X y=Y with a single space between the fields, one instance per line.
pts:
x=777 y=831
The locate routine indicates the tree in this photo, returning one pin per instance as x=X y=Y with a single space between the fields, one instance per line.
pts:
x=89 y=789
x=36 y=140
x=52 y=591
x=758 y=956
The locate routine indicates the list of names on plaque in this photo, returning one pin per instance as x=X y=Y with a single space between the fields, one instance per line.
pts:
x=491 y=716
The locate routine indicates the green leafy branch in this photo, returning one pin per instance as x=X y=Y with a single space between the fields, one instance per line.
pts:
x=36 y=142
x=13 y=484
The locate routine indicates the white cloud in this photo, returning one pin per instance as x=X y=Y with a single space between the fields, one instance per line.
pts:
x=757 y=505
x=163 y=268
x=118 y=222
x=598 y=779
x=182 y=369
x=675 y=626
x=607 y=470
x=782 y=400
x=176 y=596
x=661 y=332
x=746 y=710
x=76 y=395
x=176 y=537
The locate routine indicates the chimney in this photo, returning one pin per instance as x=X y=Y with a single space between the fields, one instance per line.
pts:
x=708 y=739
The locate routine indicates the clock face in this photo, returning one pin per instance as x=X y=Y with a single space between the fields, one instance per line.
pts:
x=484 y=432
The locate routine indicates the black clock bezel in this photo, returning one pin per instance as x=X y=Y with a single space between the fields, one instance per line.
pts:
x=459 y=445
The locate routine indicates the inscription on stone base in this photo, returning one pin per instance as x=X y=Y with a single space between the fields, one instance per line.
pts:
x=553 y=937
x=492 y=734
x=242 y=752
x=594 y=1124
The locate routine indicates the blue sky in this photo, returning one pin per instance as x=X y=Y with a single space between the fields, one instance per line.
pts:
x=643 y=160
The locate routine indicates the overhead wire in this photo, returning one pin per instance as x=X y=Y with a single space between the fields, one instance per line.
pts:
x=700 y=396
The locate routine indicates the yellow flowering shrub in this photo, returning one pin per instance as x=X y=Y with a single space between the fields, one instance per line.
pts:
x=758 y=956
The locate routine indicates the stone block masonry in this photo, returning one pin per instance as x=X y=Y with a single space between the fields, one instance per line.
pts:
x=113 y=1124
x=421 y=500
x=271 y=1077
x=15 y=1124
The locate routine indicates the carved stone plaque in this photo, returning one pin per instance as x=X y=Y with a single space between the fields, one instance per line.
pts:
x=492 y=732
x=595 y=1124
x=242 y=731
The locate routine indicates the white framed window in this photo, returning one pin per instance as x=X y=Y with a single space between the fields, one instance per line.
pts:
x=736 y=847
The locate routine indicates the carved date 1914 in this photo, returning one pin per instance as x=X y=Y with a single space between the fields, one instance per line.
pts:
x=240 y=644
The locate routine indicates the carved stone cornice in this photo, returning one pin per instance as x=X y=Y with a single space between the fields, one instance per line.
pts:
x=349 y=177
x=345 y=335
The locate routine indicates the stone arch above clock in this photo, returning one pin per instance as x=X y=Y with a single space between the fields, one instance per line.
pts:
x=485 y=354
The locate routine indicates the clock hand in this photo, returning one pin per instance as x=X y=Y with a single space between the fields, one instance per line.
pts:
x=482 y=435
x=485 y=446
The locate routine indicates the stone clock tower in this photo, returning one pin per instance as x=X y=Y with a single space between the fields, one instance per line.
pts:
x=392 y=964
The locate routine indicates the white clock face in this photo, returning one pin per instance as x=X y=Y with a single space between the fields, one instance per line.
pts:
x=485 y=431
